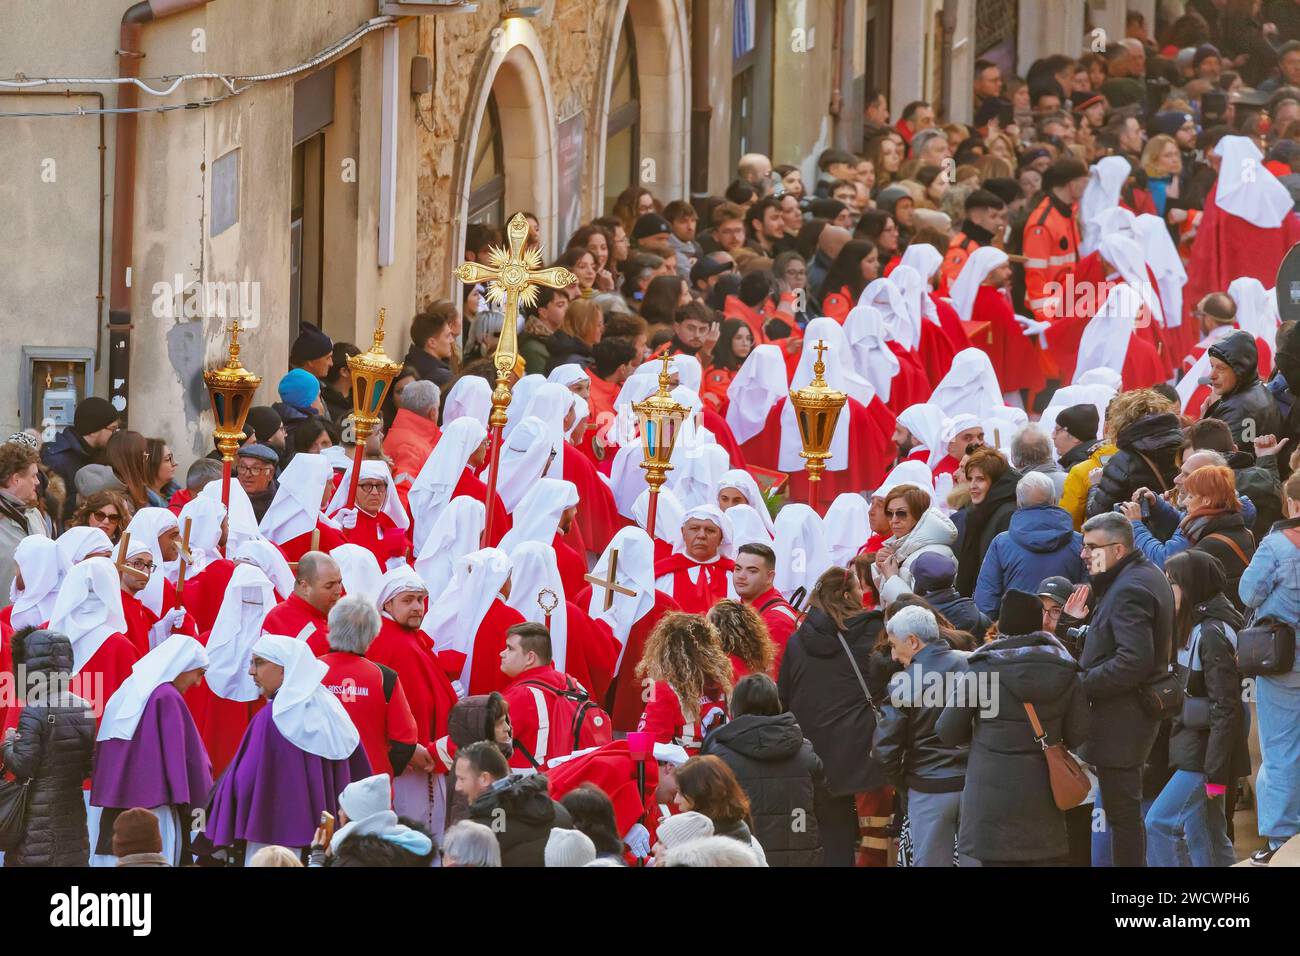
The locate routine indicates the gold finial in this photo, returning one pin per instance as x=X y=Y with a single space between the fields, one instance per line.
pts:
x=819 y=366
x=378 y=346
x=665 y=378
x=234 y=343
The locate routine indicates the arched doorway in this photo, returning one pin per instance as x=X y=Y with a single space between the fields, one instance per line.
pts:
x=505 y=160
x=643 y=114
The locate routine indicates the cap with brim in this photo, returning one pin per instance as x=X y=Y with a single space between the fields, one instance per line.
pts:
x=708 y=267
x=1094 y=100
x=650 y=224
x=260 y=452
x=1057 y=588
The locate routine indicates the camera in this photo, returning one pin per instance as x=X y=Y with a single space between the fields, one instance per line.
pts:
x=1079 y=633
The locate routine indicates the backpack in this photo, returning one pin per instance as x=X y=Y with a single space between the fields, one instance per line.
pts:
x=588 y=724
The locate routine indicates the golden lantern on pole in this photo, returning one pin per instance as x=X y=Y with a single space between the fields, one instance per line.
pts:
x=660 y=419
x=230 y=390
x=373 y=373
x=817 y=409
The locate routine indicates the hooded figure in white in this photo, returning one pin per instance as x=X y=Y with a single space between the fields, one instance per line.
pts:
x=971 y=386
x=361 y=572
x=442 y=471
x=459 y=532
x=296 y=508
x=538 y=518
x=747 y=526
x=533 y=570
x=207 y=519
x=738 y=479
x=37 y=559
x=867 y=338
x=526 y=456
x=801 y=552
x=635 y=571
x=249 y=597
x=925 y=423
x=89 y=608
x=470 y=397
x=455 y=615
x=1106 y=179
x=270 y=560
x=81 y=542
x=758 y=385
x=847 y=526
x=148 y=525
x=306 y=714
x=838 y=377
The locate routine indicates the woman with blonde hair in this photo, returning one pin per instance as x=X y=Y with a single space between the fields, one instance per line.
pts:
x=744 y=638
x=1144 y=427
x=690 y=677
x=1162 y=161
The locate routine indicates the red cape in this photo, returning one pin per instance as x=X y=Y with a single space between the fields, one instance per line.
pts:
x=428 y=690
x=598 y=519
x=378 y=534
x=295 y=548
x=911 y=386
x=205 y=590
x=938 y=350
x=104 y=673
x=471 y=486
x=696 y=597
x=292 y=617
x=485 y=674
x=1014 y=356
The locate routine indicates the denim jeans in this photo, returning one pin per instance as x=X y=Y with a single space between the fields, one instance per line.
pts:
x=1277 y=787
x=1185 y=827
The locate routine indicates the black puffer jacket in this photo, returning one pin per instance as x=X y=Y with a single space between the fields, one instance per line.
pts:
x=1007 y=810
x=984 y=522
x=1158 y=437
x=1219 y=751
x=781 y=775
x=54 y=747
x=1248 y=408
x=817 y=683
x=521 y=813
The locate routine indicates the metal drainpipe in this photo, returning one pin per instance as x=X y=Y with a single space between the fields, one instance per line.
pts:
x=129 y=56
x=701 y=108
x=103 y=154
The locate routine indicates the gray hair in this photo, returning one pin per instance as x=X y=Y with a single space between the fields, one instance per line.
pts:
x=201 y=473
x=353 y=624
x=420 y=398
x=1210 y=458
x=1029 y=447
x=1035 y=489
x=1114 y=525
x=710 y=851
x=913 y=621
x=473 y=844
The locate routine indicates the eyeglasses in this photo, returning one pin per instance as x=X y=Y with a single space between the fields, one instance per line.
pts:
x=372 y=487
x=1099 y=547
x=145 y=567
x=248 y=471
x=169 y=459
x=101 y=515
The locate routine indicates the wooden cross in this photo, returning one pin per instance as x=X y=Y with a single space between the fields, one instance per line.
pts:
x=612 y=584
x=186 y=560
x=120 y=561
x=513 y=275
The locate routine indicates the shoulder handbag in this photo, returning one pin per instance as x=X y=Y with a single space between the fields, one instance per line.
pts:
x=1164 y=485
x=13 y=805
x=862 y=682
x=1070 y=785
x=1236 y=548
x=1268 y=645
x=1162 y=698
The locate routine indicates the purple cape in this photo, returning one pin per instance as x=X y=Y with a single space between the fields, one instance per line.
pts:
x=163 y=764
x=273 y=792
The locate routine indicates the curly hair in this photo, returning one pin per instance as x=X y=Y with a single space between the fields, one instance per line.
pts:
x=1127 y=407
x=743 y=635
x=685 y=651
x=15 y=458
x=96 y=501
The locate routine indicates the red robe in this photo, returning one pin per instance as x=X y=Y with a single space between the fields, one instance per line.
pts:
x=613 y=770
x=781 y=619
x=591 y=651
x=221 y=722
x=953 y=332
x=624 y=701
x=1014 y=356
x=1228 y=247
x=294 y=617
x=598 y=518
x=139 y=622
x=871 y=446
x=473 y=488
x=204 y=592
x=104 y=673
x=485 y=674
x=573 y=569
x=710 y=587
x=330 y=538
x=379 y=535
x=911 y=386
x=1143 y=363
x=428 y=690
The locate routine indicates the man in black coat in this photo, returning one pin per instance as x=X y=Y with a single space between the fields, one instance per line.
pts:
x=518 y=809
x=80 y=444
x=1127 y=646
x=1240 y=398
x=928 y=771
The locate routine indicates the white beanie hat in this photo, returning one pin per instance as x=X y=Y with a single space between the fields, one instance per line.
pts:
x=569 y=848
x=364 y=798
x=683 y=828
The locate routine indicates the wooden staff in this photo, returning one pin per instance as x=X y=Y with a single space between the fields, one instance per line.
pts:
x=186 y=560
x=121 y=564
x=548 y=602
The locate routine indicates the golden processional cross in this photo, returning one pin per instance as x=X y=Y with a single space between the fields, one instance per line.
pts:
x=513 y=275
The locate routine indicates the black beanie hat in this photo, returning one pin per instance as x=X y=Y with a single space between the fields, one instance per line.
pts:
x=265 y=421
x=1081 y=421
x=311 y=343
x=93 y=414
x=1022 y=613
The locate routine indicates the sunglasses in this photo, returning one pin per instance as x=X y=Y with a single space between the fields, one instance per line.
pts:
x=105 y=516
x=898 y=514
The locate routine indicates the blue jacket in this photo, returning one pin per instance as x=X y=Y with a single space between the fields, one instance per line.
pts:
x=1041 y=542
x=1271 y=583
